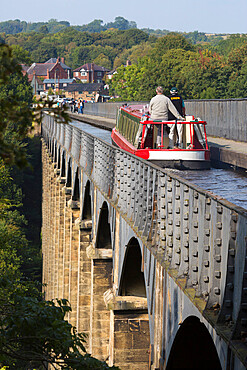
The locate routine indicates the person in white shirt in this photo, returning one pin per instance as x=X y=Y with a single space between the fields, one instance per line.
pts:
x=159 y=107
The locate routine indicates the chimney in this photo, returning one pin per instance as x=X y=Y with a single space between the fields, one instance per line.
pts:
x=92 y=66
x=62 y=60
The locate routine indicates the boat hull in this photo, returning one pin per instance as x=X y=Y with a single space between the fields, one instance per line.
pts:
x=182 y=159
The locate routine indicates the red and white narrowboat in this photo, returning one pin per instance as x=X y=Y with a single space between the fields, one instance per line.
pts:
x=136 y=133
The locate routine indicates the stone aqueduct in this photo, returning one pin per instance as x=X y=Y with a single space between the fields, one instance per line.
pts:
x=153 y=266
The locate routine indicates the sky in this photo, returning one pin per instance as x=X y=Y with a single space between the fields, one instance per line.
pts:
x=209 y=16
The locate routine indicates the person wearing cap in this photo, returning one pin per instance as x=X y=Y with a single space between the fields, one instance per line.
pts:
x=159 y=108
x=178 y=102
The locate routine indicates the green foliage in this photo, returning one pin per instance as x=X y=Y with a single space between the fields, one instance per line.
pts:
x=199 y=65
x=103 y=60
x=174 y=61
x=227 y=45
x=15 y=114
x=34 y=333
x=170 y=42
x=53 y=26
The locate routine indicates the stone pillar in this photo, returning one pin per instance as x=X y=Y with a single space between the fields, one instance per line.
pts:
x=66 y=242
x=45 y=217
x=129 y=337
x=56 y=230
x=48 y=226
x=61 y=247
x=101 y=280
x=74 y=260
x=84 y=279
x=52 y=231
x=157 y=355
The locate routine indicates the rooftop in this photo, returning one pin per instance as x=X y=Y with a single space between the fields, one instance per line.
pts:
x=84 y=87
x=90 y=67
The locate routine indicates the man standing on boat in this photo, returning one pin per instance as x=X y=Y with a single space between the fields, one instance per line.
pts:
x=159 y=107
x=178 y=102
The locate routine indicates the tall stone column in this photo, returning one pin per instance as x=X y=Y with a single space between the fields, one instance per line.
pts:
x=56 y=229
x=66 y=241
x=101 y=280
x=74 y=260
x=158 y=318
x=52 y=231
x=84 y=278
x=45 y=213
x=61 y=245
x=129 y=346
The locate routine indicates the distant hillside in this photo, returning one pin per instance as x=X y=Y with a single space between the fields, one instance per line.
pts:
x=16 y=26
x=52 y=26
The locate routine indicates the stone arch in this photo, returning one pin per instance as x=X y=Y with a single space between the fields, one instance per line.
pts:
x=55 y=153
x=59 y=159
x=87 y=209
x=132 y=282
x=76 y=190
x=69 y=174
x=103 y=240
x=63 y=166
x=193 y=348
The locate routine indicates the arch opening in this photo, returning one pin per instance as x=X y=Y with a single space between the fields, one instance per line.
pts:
x=87 y=211
x=133 y=283
x=63 y=166
x=76 y=194
x=193 y=348
x=103 y=240
x=69 y=177
x=59 y=160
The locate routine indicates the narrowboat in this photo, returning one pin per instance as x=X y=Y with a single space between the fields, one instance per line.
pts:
x=136 y=133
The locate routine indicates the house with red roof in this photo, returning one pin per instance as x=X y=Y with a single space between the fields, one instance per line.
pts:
x=54 y=71
x=90 y=73
x=47 y=70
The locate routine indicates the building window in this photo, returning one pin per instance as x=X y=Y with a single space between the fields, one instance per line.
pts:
x=48 y=85
x=65 y=84
x=99 y=73
x=77 y=73
x=83 y=73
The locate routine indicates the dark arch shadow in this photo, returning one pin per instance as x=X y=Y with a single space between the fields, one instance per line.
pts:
x=193 y=348
x=69 y=177
x=132 y=281
x=87 y=211
x=59 y=159
x=76 y=193
x=103 y=239
x=63 y=166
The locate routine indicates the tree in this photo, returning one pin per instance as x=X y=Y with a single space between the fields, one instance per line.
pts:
x=15 y=113
x=33 y=332
x=169 y=42
x=103 y=60
x=44 y=29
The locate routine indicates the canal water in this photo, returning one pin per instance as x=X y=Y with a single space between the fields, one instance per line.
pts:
x=228 y=184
